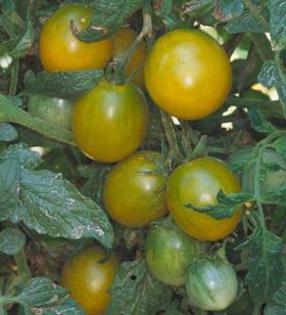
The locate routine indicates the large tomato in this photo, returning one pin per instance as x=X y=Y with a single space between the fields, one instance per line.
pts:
x=122 y=41
x=52 y=109
x=197 y=183
x=60 y=50
x=88 y=276
x=110 y=122
x=135 y=190
x=188 y=74
x=211 y=283
x=169 y=252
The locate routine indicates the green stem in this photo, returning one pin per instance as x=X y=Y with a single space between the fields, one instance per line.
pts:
x=262 y=45
x=256 y=309
x=254 y=10
x=199 y=311
x=22 y=266
x=14 y=77
x=269 y=108
x=13 y=114
x=186 y=139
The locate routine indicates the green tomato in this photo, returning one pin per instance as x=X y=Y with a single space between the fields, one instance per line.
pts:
x=52 y=109
x=169 y=252
x=211 y=283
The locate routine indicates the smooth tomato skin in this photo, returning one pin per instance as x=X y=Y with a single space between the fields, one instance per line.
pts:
x=88 y=276
x=134 y=192
x=110 y=122
x=211 y=283
x=52 y=109
x=122 y=41
x=60 y=50
x=188 y=74
x=198 y=182
x=169 y=252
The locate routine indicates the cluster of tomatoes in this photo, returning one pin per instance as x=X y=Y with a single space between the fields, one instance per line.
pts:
x=188 y=75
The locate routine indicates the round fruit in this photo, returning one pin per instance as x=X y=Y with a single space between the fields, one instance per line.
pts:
x=110 y=122
x=60 y=50
x=122 y=41
x=88 y=276
x=211 y=283
x=134 y=191
x=52 y=109
x=188 y=74
x=198 y=183
x=169 y=252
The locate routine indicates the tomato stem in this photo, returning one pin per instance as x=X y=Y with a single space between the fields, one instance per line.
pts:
x=256 y=309
x=22 y=266
x=11 y=113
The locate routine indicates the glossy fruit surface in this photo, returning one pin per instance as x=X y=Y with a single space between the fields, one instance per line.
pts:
x=110 y=122
x=211 y=284
x=122 y=41
x=52 y=109
x=88 y=276
x=198 y=183
x=188 y=74
x=135 y=190
x=169 y=252
x=60 y=50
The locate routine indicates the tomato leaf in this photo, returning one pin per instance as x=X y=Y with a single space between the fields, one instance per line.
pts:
x=49 y=204
x=277 y=10
x=135 y=292
x=8 y=132
x=226 y=206
x=274 y=309
x=62 y=84
x=264 y=264
x=11 y=241
x=109 y=16
x=259 y=122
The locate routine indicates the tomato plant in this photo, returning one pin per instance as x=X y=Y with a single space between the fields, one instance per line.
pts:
x=55 y=110
x=193 y=73
x=110 y=122
x=59 y=48
x=122 y=41
x=134 y=192
x=197 y=183
x=211 y=284
x=169 y=252
x=150 y=129
x=88 y=275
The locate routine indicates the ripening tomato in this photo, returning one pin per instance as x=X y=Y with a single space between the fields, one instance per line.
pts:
x=198 y=183
x=169 y=252
x=188 y=74
x=211 y=283
x=52 y=109
x=60 y=50
x=134 y=192
x=88 y=276
x=110 y=121
x=122 y=41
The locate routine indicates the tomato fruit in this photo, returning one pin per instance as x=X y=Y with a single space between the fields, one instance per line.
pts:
x=198 y=182
x=122 y=41
x=169 y=252
x=211 y=283
x=52 y=109
x=188 y=74
x=110 y=121
x=60 y=50
x=88 y=276
x=134 y=192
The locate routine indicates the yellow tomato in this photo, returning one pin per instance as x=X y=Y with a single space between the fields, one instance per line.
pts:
x=122 y=41
x=60 y=50
x=88 y=276
x=198 y=183
x=188 y=74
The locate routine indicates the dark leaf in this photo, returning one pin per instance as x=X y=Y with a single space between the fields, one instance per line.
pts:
x=62 y=84
x=11 y=241
x=136 y=292
x=264 y=264
x=259 y=122
x=274 y=309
